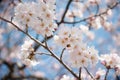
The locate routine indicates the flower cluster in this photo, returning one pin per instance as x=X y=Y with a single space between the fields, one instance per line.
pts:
x=68 y=37
x=39 y=16
x=80 y=55
x=110 y=60
x=27 y=52
x=83 y=56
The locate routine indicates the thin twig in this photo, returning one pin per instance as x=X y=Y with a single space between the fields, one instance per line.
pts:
x=42 y=53
x=46 y=41
x=106 y=74
x=97 y=5
x=80 y=72
x=96 y=15
x=66 y=9
x=89 y=73
x=62 y=53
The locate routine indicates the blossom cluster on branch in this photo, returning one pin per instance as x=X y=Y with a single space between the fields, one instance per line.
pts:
x=65 y=35
x=37 y=15
x=80 y=55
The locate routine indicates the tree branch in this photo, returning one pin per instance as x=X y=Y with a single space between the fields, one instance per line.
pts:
x=62 y=53
x=89 y=73
x=66 y=9
x=80 y=72
x=96 y=15
x=106 y=74
x=46 y=47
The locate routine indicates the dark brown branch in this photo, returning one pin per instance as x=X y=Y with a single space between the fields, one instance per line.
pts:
x=80 y=72
x=12 y=66
x=106 y=74
x=59 y=60
x=37 y=45
x=66 y=9
x=96 y=15
x=89 y=73
x=117 y=77
x=62 y=53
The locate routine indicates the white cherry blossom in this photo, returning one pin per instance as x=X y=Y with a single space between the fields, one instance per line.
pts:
x=36 y=15
x=111 y=60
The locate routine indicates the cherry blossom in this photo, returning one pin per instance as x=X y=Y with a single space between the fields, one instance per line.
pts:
x=26 y=16
x=27 y=53
x=67 y=38
x=111 y=60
